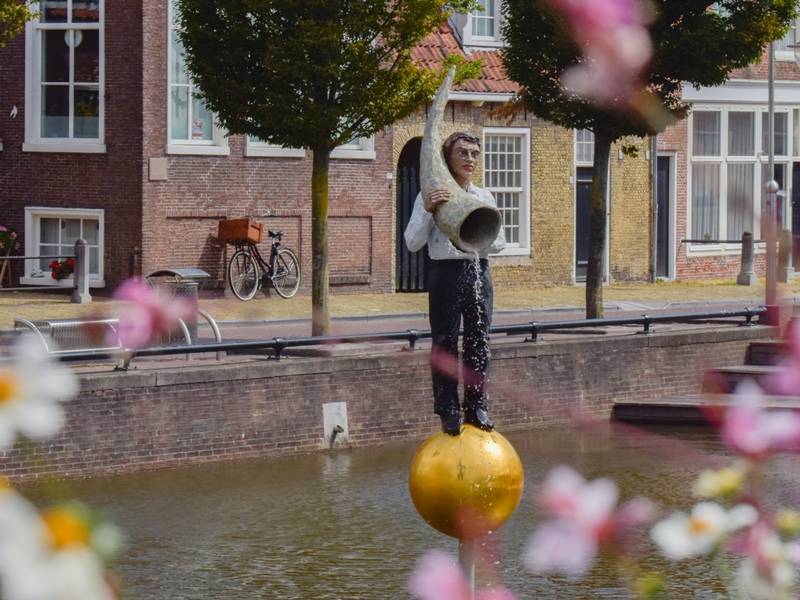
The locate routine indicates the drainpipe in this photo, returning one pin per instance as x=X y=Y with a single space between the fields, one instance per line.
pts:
x=654 y=195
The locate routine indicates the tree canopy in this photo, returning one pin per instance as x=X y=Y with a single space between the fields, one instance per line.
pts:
x=694 y=41
x=13 y=16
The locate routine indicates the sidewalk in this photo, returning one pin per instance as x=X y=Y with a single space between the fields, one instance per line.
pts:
x=630 y=297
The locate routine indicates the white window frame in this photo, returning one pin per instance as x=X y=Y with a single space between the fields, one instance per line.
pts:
x=759 y=159
x=218 y=144
x=363 y=150
x=257 y=148
x=523 y=248
x=34 y=142
x=579 y=142
x=32 y=237
x=791 y=38
x=495 y=41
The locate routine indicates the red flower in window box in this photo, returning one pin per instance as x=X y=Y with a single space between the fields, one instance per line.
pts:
x=61 y=269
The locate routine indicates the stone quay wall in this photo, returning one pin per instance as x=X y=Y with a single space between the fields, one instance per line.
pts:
x=154 y=418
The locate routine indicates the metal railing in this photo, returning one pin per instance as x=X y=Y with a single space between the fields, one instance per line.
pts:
x=80 y=274
x=532 y=329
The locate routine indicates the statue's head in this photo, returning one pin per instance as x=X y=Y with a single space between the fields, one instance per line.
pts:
x=461 y=152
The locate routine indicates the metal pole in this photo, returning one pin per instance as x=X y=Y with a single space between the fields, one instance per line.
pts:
x=80 y=275
x=654 y=220
x=466 y=556
x=771 y=188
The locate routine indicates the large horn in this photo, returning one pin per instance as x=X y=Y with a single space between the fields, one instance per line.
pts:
x=469 y=223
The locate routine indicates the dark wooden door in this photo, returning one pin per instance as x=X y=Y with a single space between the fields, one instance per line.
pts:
x=796 y=215
x=662 y=218
x=412 y=267
x=583 y=199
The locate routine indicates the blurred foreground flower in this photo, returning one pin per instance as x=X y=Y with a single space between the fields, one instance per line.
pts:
x=31 y=391
x=681 y=536
x=724 y=483
x=585 y=517
x=54 y=556
x=148 y=314
x=616 y=47
x=438 y=576
x=749 y=429
x=769 y=569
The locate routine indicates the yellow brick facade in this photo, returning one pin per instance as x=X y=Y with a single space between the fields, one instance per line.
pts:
x=552 y=202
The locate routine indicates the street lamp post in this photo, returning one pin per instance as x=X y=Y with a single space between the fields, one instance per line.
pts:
x=771 y=190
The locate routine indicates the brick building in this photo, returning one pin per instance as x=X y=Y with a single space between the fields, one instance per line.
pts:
x=713 y=167
x=102 y=138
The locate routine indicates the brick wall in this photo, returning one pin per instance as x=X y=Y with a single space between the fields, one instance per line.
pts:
x=150 y=418
x=110 y=181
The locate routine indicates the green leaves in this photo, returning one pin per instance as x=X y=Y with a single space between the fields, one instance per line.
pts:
x=309 y=73
x=13 y=16
x=695 y=41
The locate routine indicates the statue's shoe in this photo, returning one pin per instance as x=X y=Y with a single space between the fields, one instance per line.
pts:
x=451 y=423
x=478 y=417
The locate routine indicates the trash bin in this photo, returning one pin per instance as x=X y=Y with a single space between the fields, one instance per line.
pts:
x=181 y=283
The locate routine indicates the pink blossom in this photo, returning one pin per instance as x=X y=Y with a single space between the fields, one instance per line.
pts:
x=561 y=546
x=585 y=517
x=751 y=430
x=439 y=577
x=148 y=314
x=615 y=44
x=787 y=380
x=3 y=228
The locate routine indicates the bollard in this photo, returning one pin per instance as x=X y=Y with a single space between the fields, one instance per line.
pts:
x=747 y=275
x=80 y=276
x=785 y=270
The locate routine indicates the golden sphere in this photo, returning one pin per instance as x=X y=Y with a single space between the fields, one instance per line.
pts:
x=467 y=485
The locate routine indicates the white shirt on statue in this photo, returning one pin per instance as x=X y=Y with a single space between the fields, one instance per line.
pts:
x=422 y=230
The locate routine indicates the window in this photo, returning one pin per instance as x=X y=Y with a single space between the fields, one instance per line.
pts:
x=358 y=148
x=54 y=231
x=483 y=24
x=64 y=77
x=728 y=170
x=584 y=147
x=257 y=147
x=506 y=173
x=191 y=126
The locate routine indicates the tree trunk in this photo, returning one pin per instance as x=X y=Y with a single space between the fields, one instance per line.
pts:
x=597 y=227
x=320 y=310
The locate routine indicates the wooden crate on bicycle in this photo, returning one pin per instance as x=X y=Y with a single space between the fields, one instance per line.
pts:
x=232 y=231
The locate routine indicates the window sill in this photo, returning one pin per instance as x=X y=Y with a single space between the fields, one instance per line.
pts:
x=698 y=251
x=66 y=147
x=484 y=42
x=354 y=154
x=512 y=252
x=272 y=152
x=192 y=150
x=65 y=283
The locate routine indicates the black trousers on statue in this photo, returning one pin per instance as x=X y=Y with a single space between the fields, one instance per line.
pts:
x=458 y=290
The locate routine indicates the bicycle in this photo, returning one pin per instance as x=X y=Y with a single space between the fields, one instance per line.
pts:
x=247 y=269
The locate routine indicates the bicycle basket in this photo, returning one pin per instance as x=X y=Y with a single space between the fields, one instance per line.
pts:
x=239 y=230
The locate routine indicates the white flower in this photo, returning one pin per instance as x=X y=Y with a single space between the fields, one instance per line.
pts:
x=47 y=558
x=682 y=536
x=31 y=391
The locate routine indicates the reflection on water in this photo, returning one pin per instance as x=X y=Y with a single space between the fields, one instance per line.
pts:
x=342 y=526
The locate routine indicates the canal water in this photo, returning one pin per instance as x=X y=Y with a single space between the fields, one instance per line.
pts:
x=342 y=525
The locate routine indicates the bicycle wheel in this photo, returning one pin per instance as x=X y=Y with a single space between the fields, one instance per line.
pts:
x=243 y=275
x=286 y=278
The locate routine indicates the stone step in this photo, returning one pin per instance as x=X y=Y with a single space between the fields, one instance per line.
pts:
x=689 y=410
x=766 y=352
x=725 y=379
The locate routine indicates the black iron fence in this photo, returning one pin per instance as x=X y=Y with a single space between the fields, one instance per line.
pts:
x=531 y=329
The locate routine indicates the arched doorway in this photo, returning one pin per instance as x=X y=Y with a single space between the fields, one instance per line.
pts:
x=412 y=267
